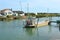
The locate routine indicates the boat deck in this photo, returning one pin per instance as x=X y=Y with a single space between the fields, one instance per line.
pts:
x=44 y=23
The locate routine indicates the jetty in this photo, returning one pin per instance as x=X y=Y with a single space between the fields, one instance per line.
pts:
x=57 y=21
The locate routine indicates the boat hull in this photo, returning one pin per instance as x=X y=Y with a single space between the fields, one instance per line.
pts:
x=29 y=26
x=44 y=23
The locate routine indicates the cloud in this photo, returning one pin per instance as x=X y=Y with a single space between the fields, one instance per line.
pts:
x=43 y=3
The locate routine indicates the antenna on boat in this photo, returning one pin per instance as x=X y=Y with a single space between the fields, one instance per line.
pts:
x=20 y=5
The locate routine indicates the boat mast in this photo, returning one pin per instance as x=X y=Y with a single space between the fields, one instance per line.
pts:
x=28 y=10
x=27 y=7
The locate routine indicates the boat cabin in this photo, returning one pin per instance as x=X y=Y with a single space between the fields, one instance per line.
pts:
x=30 y=22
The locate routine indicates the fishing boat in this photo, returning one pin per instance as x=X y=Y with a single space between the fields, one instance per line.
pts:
x=31 y=23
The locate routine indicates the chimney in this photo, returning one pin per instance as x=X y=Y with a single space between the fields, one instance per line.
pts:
x=11 y=9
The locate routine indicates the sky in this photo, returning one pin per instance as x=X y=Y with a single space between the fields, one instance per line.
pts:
x=51 y=6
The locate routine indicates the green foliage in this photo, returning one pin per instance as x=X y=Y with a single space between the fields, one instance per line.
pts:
x=43 y=14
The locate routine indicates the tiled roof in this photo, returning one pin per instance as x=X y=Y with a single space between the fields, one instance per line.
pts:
x=5 y=10
x=19 y=12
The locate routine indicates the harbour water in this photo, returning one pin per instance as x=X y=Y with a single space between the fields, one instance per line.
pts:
x=13 y=30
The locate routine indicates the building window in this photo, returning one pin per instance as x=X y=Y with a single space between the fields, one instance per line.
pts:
x=2 y=13
x=9 y=12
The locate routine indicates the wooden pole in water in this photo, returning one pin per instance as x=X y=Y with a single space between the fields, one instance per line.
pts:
x=37 y=22
x=59 y=26
x=37 y=29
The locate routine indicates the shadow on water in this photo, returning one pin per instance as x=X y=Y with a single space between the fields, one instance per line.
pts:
x=56 y=26
x=8 y=20
x=5 y=20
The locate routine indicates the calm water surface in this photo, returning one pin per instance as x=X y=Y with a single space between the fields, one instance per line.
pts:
x=13 y=30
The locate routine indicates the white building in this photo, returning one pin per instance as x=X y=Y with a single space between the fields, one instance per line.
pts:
x=22 y=14
x=36 y=14
x=15 y=14
x=6 y=12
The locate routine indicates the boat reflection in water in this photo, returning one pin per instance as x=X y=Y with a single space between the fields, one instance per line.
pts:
x=50 y=28
x=30 y=31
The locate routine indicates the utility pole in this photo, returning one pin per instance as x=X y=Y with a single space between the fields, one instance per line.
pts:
x=47 y=10
x=50 y=18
